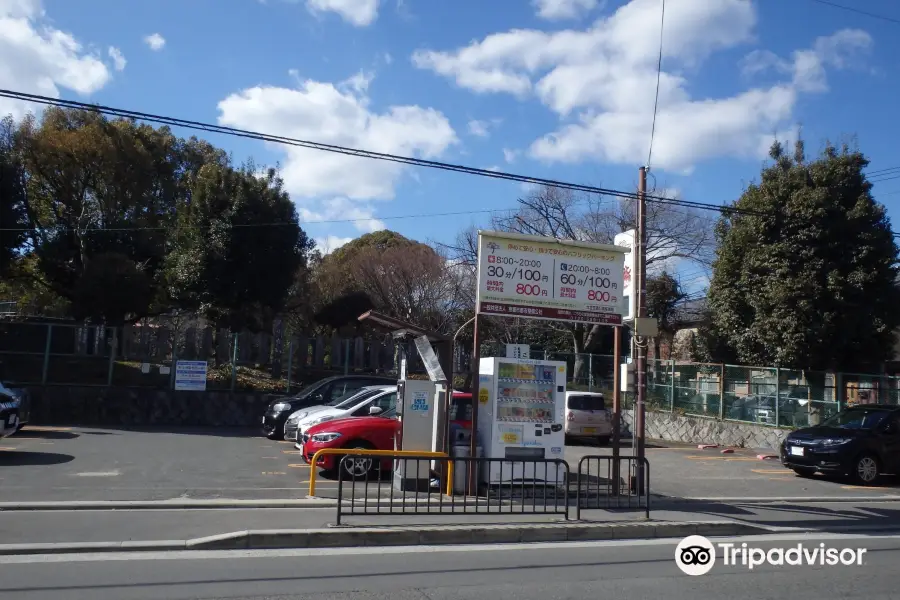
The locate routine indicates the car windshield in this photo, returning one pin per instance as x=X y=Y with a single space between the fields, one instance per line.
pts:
x=857 y=418
x=310 y=388
x=586 y=402
x=353 y=395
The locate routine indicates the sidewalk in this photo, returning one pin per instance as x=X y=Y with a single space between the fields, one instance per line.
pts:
x=28 y=527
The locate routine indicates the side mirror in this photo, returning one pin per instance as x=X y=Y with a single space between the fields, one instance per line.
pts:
x=375 y=410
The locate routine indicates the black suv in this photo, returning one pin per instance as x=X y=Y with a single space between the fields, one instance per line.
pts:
x=320 y=392
x=861 y=441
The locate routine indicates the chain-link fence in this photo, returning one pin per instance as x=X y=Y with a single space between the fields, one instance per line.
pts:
x=152 y=356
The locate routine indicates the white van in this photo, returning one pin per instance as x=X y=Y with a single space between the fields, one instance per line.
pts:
x=588 y=417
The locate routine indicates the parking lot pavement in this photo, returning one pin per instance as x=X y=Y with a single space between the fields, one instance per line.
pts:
x=86 y=463
x=47 y=464
x=684 y=471
x=57 y=464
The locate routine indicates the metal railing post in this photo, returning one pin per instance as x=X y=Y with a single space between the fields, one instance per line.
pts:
x=234 y=351
x=722 y=393
x=174 y=367
x=777 y=396
x=672 y=388
x=113 y=346
x=590 y=372
x=46 y=366
x=290 y=366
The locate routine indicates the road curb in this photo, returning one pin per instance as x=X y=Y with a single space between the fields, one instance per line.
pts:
x=166 y=504
x=340 y=537
x=660 y=501
x=309 y=502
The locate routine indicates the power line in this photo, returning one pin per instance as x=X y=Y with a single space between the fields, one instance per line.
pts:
x=198 y=125
x=882 y=171
x=662 y=22
x=858 y=11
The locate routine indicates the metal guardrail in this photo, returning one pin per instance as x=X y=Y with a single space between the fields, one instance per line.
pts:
x=506 y=495
x=362 y=452
x=610 y=486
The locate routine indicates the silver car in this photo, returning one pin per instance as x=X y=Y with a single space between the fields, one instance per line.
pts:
x=290 y=426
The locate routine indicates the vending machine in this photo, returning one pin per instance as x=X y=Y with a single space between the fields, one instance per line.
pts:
x=521 y=416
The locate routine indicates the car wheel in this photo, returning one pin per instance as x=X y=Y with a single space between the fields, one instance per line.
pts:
x=357 y=467
x=866 y=469
x=804 y=472
x=603 y=441
x=275 y=434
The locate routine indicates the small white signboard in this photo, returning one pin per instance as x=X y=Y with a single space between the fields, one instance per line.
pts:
x=190 y=375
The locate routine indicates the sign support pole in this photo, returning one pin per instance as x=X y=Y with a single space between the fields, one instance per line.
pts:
x=617 y=408
x=641 y=345
x=473 y=443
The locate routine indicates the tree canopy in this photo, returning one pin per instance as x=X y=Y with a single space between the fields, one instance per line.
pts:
x=113 y=204
x=805 y=273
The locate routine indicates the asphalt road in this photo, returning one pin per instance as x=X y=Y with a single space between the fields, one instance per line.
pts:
x=617 y=569
x=78 y=463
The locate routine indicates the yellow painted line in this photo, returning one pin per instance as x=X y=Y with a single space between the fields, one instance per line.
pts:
x=292 y=451
x=274 y=473
x=861 y=487
x=286 y=442
x=299 y=466
x=7 y=447
x=770 y=471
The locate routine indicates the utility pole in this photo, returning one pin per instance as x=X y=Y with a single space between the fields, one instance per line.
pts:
x=641 y=344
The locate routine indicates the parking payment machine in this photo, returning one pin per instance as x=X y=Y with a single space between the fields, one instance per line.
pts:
x=416 y=401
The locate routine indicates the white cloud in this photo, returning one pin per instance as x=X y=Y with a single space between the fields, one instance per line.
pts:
x=155 y=41
x=601 y=82
x=118 y=58
x=482 y=129
x=329 y=244
x=807 y=68
x=510 y=155
x=554 y=10
x=330 y=186
x=37 y=58
x=339 y=115
x=356 y=12
x=341 y=209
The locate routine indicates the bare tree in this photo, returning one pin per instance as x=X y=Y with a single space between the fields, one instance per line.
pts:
x=414 y=283
x=673 y=233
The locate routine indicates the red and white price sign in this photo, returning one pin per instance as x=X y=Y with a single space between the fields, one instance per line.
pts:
x=542 y=278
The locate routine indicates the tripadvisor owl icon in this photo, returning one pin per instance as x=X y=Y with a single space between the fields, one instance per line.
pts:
x=695 y=555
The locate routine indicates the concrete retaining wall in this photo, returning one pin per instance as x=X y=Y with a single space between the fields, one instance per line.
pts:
x=697 y=430
x=96 y=406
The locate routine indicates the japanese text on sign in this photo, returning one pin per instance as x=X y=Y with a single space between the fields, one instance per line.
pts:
x=541 y=278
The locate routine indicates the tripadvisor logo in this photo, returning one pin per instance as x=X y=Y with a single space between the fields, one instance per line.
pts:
x=696 y=555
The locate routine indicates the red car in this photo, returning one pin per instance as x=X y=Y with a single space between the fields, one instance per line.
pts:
x=371 y=433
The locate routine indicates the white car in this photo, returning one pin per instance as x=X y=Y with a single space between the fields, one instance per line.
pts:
x=350 y=398
x=588 y=417
x=376 y=404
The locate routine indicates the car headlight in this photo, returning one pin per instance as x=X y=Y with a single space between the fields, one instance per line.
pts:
x=296 y=418
x=835 y=441
x=325 y=437
x=281 y=406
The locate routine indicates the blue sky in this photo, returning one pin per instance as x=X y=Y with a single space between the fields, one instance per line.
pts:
x=554 y=88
